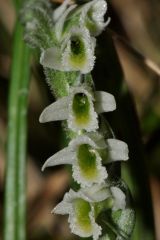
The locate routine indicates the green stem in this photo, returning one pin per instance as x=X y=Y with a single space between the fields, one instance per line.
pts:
x=22 y=143
x=16 y=153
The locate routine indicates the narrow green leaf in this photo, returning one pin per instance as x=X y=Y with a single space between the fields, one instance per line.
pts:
x=14 y=213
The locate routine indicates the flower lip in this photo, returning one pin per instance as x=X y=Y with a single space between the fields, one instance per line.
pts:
x=78 y=50
x=82 y=114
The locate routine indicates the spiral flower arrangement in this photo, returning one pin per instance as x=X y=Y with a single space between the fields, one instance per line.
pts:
x=66 y=36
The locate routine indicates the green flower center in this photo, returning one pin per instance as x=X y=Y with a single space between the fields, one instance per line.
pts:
x=77 y=57
x=82 y=209
x=87 y=161
x=81 y=108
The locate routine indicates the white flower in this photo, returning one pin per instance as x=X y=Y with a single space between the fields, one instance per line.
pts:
x=92 y=15
x=76 y=52
x=79 y=110
x=81 y=214
x=80 y=207
x=85 y=160
x=84 y=155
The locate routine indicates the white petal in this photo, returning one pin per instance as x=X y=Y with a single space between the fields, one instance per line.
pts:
x=56 y=111
x=83 y=139
x=64 y=156
x=98 y=139
x=119 y=198
x=62 y=208
x=118 y=150
x=51 y=58
x=105 y=102
x=65 y=206
x=107 y=22
x=60 y=24
x=99 y=10
x=96 y=193
x=71 y=195
x=93 y=13
x=60 y=10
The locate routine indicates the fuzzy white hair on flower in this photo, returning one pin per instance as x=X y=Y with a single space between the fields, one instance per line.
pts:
x=92 y=15
x=79 y=109
x=76 y=52
x=85 y=160
x=84 y=155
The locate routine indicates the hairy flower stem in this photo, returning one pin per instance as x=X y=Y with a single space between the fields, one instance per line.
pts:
x=15 y=190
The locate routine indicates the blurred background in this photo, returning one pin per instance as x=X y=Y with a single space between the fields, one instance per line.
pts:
x=135 y=32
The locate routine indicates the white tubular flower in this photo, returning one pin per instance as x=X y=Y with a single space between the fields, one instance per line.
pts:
x=81 y=214
x=92 y=15
x=84 y=155
x=80 y=207
x=75 y=54
x=85 y=160
x=79 y=110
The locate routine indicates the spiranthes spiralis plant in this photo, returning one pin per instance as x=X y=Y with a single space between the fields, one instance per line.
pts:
x=66 y=37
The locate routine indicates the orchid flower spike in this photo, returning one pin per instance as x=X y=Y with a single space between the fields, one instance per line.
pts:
x=79 y=109
x=80 y=207
x=76 y=52
x=84 y=155
x=92 y=16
